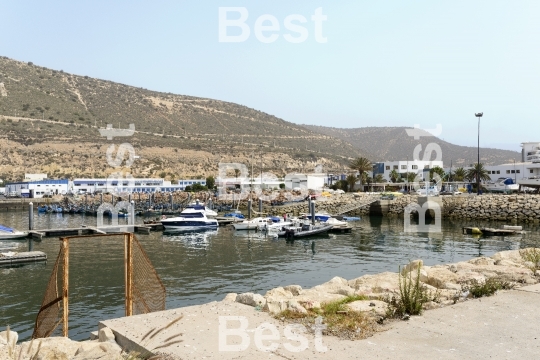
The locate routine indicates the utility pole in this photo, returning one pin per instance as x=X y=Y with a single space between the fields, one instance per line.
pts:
x=478 y=115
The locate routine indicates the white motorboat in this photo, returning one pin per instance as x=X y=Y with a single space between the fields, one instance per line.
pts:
x=190 y=219
x=7 y=233
x=502 y=184
x=194 y=208
x=337 y=224
x=251 y=224
x=271 y=226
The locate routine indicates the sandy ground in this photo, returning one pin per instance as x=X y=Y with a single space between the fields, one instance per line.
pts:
x=504 y=326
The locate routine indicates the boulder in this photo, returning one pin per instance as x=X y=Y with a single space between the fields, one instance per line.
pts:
x=482 y=260
x=336 y=285
x=412 y=266
x=230 y=297
x=250 y=299
x=439 y=276
x=13 y=338
x=372 y=306
x=317 y=297
x=296 y=307
x=386 y=282
x=512 y=255
x=294 y=289
x=101 y=351
x=106 y=335
x=278 y=293
x=56 y=348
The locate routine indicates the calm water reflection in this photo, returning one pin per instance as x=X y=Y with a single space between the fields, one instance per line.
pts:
x=198 y=268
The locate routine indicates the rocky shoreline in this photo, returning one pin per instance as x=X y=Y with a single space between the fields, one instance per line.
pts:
x=513 y=266
x=445 y=280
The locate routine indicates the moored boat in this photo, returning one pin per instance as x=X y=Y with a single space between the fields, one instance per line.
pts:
x=190 y=221
x=305 y=230
x=7 y=233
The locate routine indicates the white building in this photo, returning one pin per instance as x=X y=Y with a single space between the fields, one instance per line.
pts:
x=130 y=185
x=530 y=152
x=37 y=189
x=403 y=167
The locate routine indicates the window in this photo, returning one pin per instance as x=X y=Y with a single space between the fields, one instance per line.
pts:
x=513 y=171
x=531 y=171
x=498 y=171
x=387 y=167
x=426 y=166
x=508 y=171
x=415 y=167
x=395 y=167
x=517 y=172
x=403 y=167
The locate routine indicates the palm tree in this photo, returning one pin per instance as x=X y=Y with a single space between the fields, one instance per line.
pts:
x=459 y=174
x=437 y=170
x=477 y=169
x=379 y=178
x=351 y=180
x=411 y=176
x=361 y=164
x=394 y=175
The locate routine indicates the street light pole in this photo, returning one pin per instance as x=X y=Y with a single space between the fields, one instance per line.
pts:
x=478 y=115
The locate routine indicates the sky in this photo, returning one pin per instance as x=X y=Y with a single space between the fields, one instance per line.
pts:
x=357 y=63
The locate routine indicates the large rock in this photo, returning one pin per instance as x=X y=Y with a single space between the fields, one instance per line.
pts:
x=13 y=338
x=251 y=299
x=371 y=306
x=412 y=266
x=101 y=351
x=52 y=348
x=512 y=255
x=439 y=277
x=336 y=285
x=106 y=335
x=278 y=293
x=310 y=298
x=294 y=289
x=386 y=282
x=482 y=260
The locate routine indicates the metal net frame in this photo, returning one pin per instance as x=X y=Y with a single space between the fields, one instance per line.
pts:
x=144 y=291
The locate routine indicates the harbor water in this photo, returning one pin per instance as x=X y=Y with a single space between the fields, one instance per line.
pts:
x=201 y=267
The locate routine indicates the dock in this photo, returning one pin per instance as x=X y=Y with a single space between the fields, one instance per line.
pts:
x=468 y=230
x=88 y=230
x=6 y=259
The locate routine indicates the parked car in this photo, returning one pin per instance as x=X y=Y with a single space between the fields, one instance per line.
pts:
x=431 y=191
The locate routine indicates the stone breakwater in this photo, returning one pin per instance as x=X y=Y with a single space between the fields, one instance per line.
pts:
x=54 y=348
x=513 y=208
x=444 y=281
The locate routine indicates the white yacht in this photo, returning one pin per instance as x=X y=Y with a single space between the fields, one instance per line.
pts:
x=502 y=184
x=191 y=219
x=194 y=208
x=7 y=233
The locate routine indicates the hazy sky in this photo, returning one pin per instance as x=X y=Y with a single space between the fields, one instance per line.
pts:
x=384 y=63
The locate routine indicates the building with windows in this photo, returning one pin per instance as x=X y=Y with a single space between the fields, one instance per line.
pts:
x=130 y=185
x=38 y=189
x=403 y=167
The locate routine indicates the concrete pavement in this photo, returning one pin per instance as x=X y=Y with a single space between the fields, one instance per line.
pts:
x=504 y=326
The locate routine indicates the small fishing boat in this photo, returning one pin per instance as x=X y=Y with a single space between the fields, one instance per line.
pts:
x=43 y=209
x=251 y=224
x=292 y=232
x=7 y=233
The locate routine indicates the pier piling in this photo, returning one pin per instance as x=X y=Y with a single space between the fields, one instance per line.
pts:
x=30 y=216
x=260 y=206
x=312 y=210
x=249 y=208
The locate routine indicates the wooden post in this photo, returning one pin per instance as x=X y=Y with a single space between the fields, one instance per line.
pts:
x=128 y=263
x=65 y=286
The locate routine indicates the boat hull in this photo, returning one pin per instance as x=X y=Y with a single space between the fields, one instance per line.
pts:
x=190 y=225
x=15 y=235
